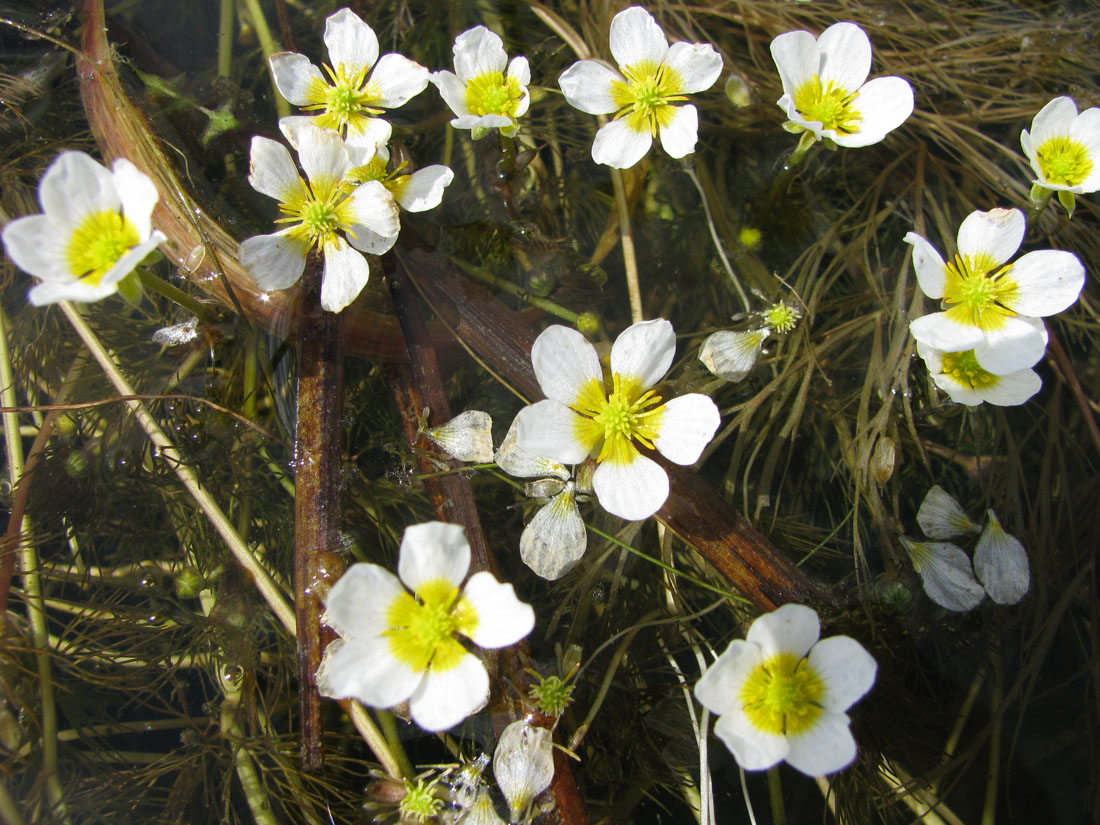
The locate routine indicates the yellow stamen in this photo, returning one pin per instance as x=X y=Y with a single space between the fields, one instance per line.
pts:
x=97 y=244
x=978 y=293
x=783 y=695
x=422 y=630
x=828 y=103
x=646 y=99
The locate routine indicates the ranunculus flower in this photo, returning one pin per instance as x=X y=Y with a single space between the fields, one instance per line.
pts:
x=484 y=91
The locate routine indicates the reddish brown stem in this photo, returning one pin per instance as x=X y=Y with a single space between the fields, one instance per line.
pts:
x=318 y=457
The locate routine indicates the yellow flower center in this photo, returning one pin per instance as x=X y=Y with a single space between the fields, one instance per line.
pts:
x=783 y=695
x=646 y=99
x=977 y=293
x=321 y=211
x=422 y=630
x=628 y=415
x=964 y=368
x=830 y=104
x=491 y=93
x=347 y=103
x=1064 y=161
x=97 y=244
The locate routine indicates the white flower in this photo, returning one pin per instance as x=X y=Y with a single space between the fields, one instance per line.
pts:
x=555 y=539
x=323 y=213
x=945 y=573
x=1000 y=562
x=824 y=90
x=466 y=437
x=96 y=228
x=941 y=517
x=584 y=415
x=652 y=79
x=1063 y=147
x=732 y=355
x=487 y=92
x=961 y=376
x=782 y=695
x=523 y=764
x=348 y=100
x=986 y=297
x=397 y=646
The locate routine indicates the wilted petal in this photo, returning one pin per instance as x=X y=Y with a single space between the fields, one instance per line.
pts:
x=556 y=538
x=1001 y=564
x=941 y=517
x=523 y=764
x=732 y=355
x=945 y=572
x=466 y=437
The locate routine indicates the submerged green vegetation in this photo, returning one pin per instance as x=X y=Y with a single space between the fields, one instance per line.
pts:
x=144 y=674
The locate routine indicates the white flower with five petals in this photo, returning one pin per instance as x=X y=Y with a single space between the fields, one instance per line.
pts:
x=585 y=415
x=1063 y=147
x=782 y=693
x=398 y=646
x=824 y=88
x=323 y=214
x=96 y=228
x=961 y=376
x=645 y=92
x=350 y=99
x=485 y=91
x=989 y=303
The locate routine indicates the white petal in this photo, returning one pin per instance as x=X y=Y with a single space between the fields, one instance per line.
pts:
x=644 y=351
x=1015 y=346
x=372 y=206
x=502 y=619
x=687 y=426
x=883 y=104
x=323 y=156
x=370 y=132
x=520 y=69
x=941 y=517
x=556 y=538
x=619 y=146
x=792 y=629
x=273 y=173
x=549 y=428
x=357 y=605
x=945 y=572
x=1000 y=563
x=478 y=51
x=732 y=355
x=1053 y=120
x=296 y=78
x=482 y=122
x=398 y=80
x=367 y=670
x=825 y=748
x=635 y=37
x=944 y=333
x=466 y=437
x=447 y=697
x=351 y=43
x=292 y=125
x=452 y=90
x=564 y=364
x=697 y=64
x=523 y=764
x=50 y=292
x=587 y=86
x=371 y=242
x=678 y=138
x=138 y=194
x=424 y=188
x=516 y=461
x=846 y=668
x=845 y=56
x=929 y=266
x=997 y=234
x=754 y=749
x=131 y=258
x=797 y=58
x=346 y=273
x=632 y=491
x=1013 y=389
x=432 y=551
x=75 y=186
x=37 y=245
x=273 y=261
x=1049 y=281
x=719 y=688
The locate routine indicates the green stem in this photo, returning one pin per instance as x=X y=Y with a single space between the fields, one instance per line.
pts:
x=489 y=279
x=783 y=179
x=32 y=585
x=626 y=237
x=690 y=171
x=173 y=293
x=9 y=811
x=269 y=47
x=775 y=795
x=1038 y=200
x=388 y=723
x=225 y=37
